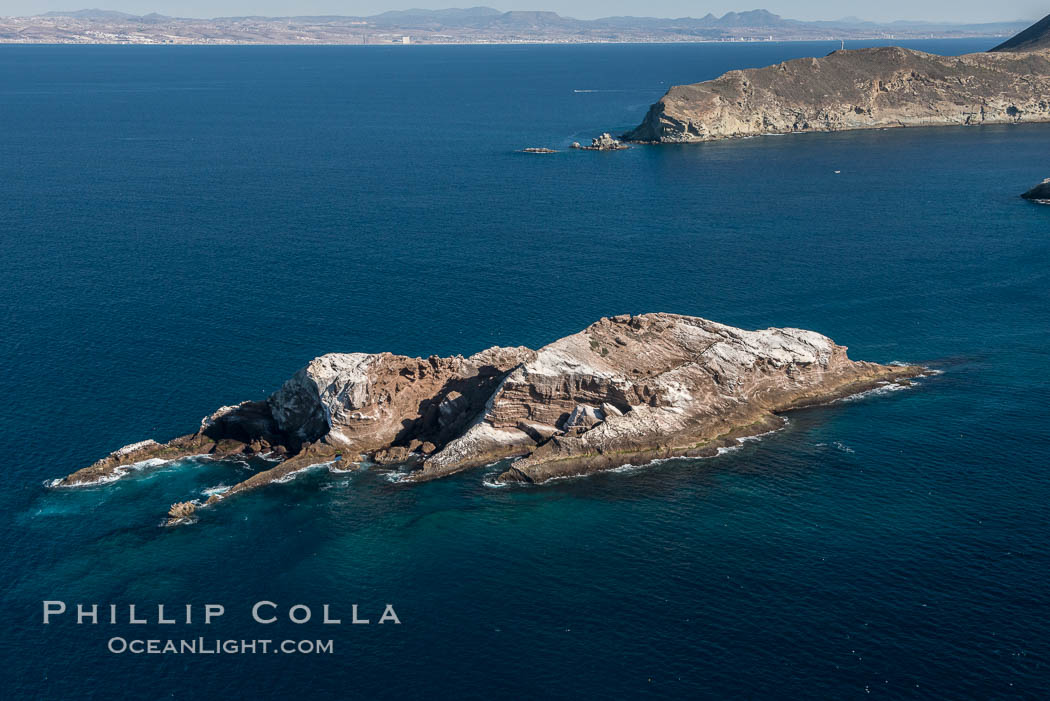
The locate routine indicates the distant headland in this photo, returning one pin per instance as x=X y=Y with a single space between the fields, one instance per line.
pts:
x=862 y=89
x=475 y=25
x=625 y=390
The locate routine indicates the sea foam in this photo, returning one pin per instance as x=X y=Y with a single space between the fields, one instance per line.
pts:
x=113 y=476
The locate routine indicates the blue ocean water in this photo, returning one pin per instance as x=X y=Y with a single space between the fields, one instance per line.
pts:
x=184 y=227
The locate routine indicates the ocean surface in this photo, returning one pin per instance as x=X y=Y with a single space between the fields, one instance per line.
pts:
x=184 y=227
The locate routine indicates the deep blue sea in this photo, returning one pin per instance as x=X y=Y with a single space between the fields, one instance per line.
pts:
x=184 y=227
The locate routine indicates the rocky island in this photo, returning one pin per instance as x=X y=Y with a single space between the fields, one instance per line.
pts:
x=625 y=390
x=1040 y=193
x=861 y=89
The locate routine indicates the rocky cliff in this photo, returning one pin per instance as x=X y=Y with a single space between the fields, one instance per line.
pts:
x=627 y=389
x=861 y=89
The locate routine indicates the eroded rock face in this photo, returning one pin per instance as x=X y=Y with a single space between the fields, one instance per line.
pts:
x=366 y=402
x=673 y=386
x=338 y=404
x=626 y=389
x=855 y=89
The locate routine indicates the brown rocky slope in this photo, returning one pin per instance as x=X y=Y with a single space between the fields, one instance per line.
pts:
x=861 y=89
x=627 y=389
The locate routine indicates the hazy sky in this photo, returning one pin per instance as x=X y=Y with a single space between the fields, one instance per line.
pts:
x=955 y=10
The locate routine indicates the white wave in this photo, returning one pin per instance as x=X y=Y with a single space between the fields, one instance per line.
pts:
x=284 y=479
x=784 y=421
x=883 y=388
x=217 y=489
x=843 y=447
x=926 y=371
x=396 y=477
x=625 y=468
x=184 y=521
x=113 y=476
x=629 y=468
x=343 y=466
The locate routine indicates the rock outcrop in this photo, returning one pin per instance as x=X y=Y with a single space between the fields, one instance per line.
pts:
x=627 y=389
x=1040 y=193
x=605 y=142
x=181 y=512
x=632 y=389
x=860 y=89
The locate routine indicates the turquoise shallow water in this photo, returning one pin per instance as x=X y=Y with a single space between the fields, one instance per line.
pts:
x=185 y=227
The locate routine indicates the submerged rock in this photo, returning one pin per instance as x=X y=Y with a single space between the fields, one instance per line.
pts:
x=1040 y=193
x=627 y=389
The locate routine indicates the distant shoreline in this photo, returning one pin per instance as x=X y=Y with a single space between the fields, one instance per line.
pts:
x=4 y=42
x=471 y=26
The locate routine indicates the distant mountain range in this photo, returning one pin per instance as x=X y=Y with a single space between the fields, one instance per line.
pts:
x=463 y=25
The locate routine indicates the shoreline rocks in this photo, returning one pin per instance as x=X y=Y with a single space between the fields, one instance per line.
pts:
x=625 y=390
x=1040 y=193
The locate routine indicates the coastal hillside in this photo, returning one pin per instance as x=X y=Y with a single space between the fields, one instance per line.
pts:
x=861 y=89
x=1035 y=38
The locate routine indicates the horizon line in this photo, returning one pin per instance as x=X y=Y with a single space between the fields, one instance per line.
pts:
x=844 y=20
